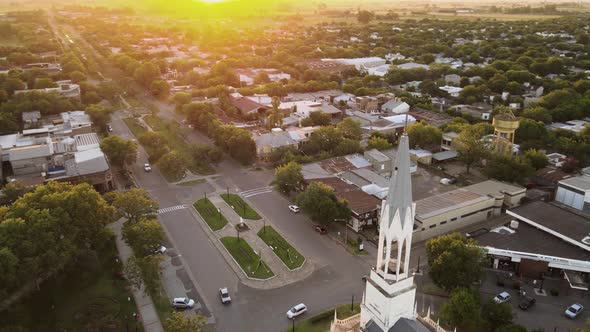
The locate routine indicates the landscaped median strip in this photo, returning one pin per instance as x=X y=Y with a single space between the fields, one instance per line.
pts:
x=291 y=257
x=321 y=321
x=242 y=208
x=244 y=255
x=210 y=214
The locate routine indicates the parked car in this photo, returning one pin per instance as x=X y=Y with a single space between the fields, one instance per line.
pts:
x=224 y=294
x=147 y=167
x=502 y=297
x=109 y=128
x=574 y=310
x=448 y=181
x=160 y=249
x=296 y=310
x=182 y=303
x=294 y=208
x=321 y=229
x=527 y=302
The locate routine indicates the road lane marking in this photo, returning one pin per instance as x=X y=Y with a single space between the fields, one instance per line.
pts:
x=172 y=208
x=256 y=191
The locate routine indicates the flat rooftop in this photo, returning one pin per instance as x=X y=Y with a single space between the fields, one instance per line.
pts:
x=530 y=239
x=562 y=222
x=495 y=188
x=439 y=204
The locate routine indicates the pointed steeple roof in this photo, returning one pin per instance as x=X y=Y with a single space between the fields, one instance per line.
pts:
x=400 y=187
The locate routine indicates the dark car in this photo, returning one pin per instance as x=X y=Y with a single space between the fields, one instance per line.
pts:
x=321 y=229
x=526 y=302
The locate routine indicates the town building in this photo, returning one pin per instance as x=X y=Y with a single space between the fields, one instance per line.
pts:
x=395 y=106
x=575 y=192
x=64 y=88
x=456 y=209
x=540 y=239
x=436 y=119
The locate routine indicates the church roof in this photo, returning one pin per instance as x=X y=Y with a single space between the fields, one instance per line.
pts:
x=400 y=189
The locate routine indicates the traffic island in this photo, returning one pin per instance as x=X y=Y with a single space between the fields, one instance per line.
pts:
x=212 y=216
x=321 y=322
x=290 y=257
x=252 y=265
x=242 y=208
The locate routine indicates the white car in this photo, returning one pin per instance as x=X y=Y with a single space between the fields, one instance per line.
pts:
x=224 y=294
x=294 y=208
x=160 y=249
x=574 y=310
x=502 y=297
x=147 y=167
x=296 y=310
x=182 y=303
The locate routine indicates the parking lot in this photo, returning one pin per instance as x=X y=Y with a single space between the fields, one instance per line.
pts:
x=547 y=314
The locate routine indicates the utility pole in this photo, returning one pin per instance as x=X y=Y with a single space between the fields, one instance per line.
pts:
x=352 y=304
x=418 y=268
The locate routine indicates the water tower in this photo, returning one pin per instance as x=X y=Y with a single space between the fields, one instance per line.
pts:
x=505 y=124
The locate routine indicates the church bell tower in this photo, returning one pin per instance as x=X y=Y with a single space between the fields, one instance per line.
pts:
x=390 y=291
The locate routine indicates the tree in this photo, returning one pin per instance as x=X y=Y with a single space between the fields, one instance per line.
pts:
x=261 y=78
x=365 y=16
x=160 y=89
x=143 y=236
x=454 y=261
x=146 y=73
x=120 y=152
x=44 y=82
x=319 y=200
x=471 y=148
x=288 y=177
x=275 y=118
x=348 y=146
x=379 y=143
x=537 y=158
x=77 y=76
x=144 y=271
x=350 y=128
x=133 y=204
x=462 y=309
x=15 y=189
x=531 y=131
x=513 y=328
x=496 y=315
x=327 y=138
x=99 y=115
x=508 y=168
x=180 y=99
x=173 y=164
x=424 y=135
x=49 y=228
x=155 y=143
x=318 y=118
x=177 y=322
x=537 y=114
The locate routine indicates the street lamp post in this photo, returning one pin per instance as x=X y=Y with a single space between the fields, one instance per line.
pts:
x=263 y=225
x=293 y=319
x=352 y=304
x=418 y=268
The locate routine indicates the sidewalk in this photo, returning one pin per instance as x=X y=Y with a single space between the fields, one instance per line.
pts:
x=147 y=310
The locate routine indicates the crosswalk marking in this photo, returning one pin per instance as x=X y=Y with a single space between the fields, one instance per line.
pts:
x=172 y=208
x=256 y=191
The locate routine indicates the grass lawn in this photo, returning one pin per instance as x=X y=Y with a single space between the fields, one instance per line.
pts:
x=246 y=257
x=191 y=183
x=291 y=257
x=353 y=247
x=432 y=289
x=135 y=126
x=242 y=208
x=321 y=321
x=209 y=212
x=74 y=300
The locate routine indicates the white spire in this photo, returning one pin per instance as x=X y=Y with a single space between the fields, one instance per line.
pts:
x=400 y=187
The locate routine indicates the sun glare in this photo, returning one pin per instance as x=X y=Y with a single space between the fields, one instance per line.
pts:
x=211 y=1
